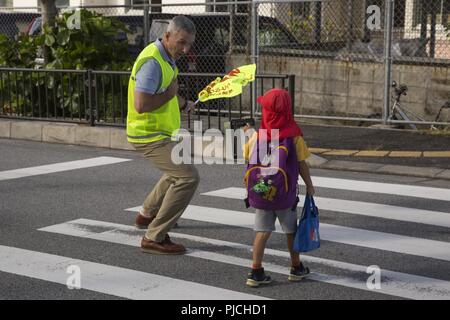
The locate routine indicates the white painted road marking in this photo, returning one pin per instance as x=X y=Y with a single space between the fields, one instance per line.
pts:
x=393 y=283
x=110 y=280
x=59 y=167
x=381 y=187
x=352 y=236
x=435 y=218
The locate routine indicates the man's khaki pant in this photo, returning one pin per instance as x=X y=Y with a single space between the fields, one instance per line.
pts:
x=173 y=192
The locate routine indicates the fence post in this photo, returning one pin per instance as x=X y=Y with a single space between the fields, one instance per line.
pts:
x=254 y=37
x=291 y=89
x=91 y=110
x=388 y=59
x=350 y=35
x=146 y=25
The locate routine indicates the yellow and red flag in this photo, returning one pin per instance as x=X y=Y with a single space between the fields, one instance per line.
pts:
x=230 y=85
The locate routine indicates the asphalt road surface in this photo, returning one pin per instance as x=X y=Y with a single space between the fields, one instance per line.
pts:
x=67 y=215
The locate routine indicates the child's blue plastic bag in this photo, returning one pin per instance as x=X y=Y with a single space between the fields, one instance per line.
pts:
x=307 y=237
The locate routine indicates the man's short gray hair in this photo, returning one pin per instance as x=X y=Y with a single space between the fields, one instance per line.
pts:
x=181 y=23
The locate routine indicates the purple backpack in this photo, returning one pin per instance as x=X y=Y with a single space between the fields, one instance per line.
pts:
x=272 y=181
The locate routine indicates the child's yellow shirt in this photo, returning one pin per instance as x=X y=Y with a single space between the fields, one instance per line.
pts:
x=300 y=146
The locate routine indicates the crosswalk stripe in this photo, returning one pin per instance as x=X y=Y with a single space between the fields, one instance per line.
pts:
x=59 y=167
x=352 y=236
x=392 y=283
x=110 y=280
x=436 y=218
x=381 y=187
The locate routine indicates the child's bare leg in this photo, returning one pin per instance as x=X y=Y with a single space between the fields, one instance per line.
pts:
x=298 y=271
x=257 y=276
x=259 y=244
x=295 y=256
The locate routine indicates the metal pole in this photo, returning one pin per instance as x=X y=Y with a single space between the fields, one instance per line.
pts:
x=318 y=22
x=388 y=59
x=146 y=25
x=433 y=31
x=254 y=37
x=350 y=25
x=291 y=88
x=231 y=9
x=91 y=110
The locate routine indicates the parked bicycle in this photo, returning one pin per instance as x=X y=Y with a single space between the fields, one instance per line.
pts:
x=401 y=113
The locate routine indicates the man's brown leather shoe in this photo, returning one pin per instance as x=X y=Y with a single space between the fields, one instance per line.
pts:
x=142 y=222
x=178 y=247
x=164 y=247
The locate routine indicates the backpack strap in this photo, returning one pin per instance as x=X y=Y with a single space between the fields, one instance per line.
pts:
x=297 y=200
x=247 y=202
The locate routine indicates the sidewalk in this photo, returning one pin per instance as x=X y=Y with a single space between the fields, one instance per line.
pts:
x=390 y=151
x=387 y=151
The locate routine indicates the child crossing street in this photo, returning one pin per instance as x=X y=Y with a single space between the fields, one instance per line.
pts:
x=276 y=155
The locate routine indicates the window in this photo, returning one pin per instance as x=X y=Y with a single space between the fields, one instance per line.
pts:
x=62 y=3
x=399 y=13
x=399 y=10
x=240 y=8
x=58 y=3
x=136 y=2
x=300 y=9
x=157 y=29
x=270 y=35
x=440 y=7
x=216 y=8
x=6 y=3
x=222 y=36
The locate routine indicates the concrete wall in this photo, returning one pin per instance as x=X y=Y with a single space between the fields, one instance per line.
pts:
x=328 y=87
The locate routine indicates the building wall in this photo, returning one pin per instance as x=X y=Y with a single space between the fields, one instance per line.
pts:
x=25 y=3
x=327 y=87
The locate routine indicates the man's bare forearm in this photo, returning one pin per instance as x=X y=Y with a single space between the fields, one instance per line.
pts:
x=149 y=102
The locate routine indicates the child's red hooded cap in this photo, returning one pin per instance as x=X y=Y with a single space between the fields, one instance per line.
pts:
x=277 y=114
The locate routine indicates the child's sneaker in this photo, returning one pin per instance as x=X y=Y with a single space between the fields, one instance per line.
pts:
x=257 y=277
x=298 y=273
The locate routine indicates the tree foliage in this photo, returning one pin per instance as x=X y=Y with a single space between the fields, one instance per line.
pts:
x=97 y=42
x=94 y=42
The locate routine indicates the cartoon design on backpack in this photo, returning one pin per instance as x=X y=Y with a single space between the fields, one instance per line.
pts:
x=267 y=189
x=272 y=182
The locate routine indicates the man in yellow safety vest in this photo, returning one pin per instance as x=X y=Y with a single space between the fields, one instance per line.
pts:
x=153 y=118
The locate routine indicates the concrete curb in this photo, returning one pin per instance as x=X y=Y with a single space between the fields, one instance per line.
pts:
x=66 y=133
x=380 y=153
x=115 y=138
x=422 y=172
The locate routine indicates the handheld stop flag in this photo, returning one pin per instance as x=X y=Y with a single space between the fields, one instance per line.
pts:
x=230 y=85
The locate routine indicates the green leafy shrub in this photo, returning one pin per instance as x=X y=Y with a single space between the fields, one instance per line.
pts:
x=94 y=45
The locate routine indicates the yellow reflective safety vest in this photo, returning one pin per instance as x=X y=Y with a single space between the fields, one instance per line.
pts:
x=158 y=124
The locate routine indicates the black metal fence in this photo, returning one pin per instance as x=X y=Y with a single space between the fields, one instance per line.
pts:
x=344 y=53
x=338 y=29
x=100 y=97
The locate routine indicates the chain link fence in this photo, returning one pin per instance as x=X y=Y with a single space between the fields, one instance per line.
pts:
x=344 y=53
